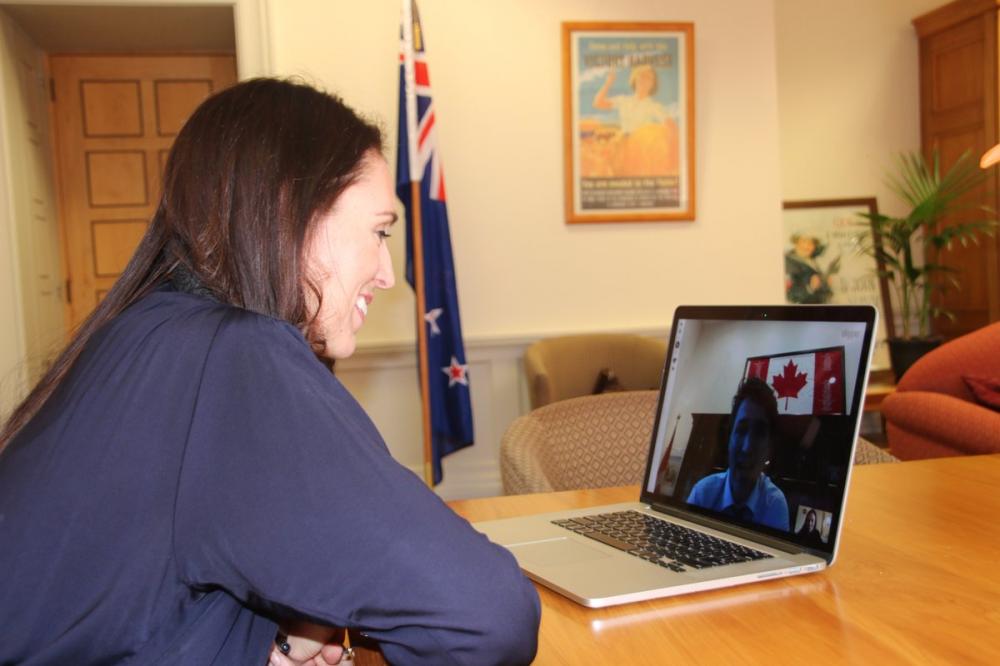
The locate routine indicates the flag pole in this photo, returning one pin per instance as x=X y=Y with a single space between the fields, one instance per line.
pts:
x=418 y=287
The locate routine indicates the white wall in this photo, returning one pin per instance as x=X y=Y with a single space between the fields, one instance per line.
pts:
x=496 y=74
x=841 y=77
x=522 y=272
x=848 y=95
x=848 y=100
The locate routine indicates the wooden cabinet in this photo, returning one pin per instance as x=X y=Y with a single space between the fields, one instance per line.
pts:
x=959 y=86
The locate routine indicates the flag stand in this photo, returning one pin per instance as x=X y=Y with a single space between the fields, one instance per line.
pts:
x=418 y=288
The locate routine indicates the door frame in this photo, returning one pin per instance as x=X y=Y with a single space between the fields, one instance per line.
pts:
x=253 y=58
x=250 y=22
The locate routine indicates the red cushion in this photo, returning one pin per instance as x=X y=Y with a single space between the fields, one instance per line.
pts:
x=986 y=390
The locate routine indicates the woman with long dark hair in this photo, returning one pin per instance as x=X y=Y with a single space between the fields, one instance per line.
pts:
x=189 y=481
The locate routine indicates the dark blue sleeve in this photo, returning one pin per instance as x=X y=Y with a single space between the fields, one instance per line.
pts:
x=289 y=500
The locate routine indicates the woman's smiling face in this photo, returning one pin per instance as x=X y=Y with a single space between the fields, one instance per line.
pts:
x=347 y=257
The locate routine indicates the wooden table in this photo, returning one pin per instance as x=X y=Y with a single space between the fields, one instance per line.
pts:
x=916 y=581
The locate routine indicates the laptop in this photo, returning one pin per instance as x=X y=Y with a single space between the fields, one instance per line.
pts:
x=748 y=468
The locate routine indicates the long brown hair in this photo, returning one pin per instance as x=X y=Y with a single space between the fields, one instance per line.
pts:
x=246 y=178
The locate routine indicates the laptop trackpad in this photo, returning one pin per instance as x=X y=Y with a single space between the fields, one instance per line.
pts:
x=557 y=551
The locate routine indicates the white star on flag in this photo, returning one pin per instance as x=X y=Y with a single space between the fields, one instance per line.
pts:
x=457 y=373
x=432 y=318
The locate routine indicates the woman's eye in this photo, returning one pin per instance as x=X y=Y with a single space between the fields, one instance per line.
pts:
x=383 y=234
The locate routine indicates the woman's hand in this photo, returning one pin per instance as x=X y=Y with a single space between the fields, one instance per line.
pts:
x=309 y=645
x=329 y=655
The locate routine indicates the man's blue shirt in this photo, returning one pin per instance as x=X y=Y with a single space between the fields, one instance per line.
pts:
x=766 y=503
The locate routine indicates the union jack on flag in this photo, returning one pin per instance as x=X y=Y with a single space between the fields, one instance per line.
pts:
x=418 y=160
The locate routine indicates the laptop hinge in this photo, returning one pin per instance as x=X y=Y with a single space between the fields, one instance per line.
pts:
x=771 y=542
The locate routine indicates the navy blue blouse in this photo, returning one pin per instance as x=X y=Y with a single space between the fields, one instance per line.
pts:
x=199 y=475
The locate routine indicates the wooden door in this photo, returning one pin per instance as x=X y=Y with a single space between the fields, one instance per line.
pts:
x=116 y=117
x=958 y=112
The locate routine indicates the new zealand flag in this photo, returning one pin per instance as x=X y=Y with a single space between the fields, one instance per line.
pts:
x=418 y=161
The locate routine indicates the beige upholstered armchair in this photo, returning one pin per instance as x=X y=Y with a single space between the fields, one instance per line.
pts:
x=568 y=366
x=593 y=441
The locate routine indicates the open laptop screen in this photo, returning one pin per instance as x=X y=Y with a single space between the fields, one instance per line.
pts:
x=758 y=417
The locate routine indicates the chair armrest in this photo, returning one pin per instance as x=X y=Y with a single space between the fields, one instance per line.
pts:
x=941 y=369
x=955 y=423
x=867 y=453
x=520 y=469
x=537 y=375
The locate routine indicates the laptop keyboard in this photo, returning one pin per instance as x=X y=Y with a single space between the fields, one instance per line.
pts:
x=659 y=541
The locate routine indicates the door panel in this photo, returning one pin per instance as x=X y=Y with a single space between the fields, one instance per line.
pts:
x=958 y=83
x=116 y=118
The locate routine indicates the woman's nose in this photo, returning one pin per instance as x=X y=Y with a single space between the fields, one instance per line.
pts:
x=385 y=278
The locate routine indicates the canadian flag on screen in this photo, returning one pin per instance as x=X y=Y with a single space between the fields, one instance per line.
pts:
x=804 y=383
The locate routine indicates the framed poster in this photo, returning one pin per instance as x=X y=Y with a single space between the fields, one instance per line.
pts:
x=824 y=263
x=628 y=121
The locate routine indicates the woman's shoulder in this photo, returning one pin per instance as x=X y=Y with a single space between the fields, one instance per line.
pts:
x=168 y=328
x=708 y=484
x=180 y=316
x=236 y=344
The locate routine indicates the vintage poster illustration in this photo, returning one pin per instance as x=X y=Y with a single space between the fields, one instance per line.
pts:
x=630 y=124
x=824 y=265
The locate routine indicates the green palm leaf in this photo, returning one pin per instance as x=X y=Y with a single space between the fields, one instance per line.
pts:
x=903 y=241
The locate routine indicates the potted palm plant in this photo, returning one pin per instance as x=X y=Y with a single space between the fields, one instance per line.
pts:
x=907 y=249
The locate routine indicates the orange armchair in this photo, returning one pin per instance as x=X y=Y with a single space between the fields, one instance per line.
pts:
x=933 y=413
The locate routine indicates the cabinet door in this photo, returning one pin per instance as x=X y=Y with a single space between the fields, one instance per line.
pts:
x=958 y=84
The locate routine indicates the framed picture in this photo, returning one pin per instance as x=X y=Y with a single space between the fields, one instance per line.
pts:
x=628 y=121
x=823 y=263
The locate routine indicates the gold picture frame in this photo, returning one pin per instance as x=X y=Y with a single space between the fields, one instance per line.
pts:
x=628 y=121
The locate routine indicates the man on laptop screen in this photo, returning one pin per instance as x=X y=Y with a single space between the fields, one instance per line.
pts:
x=744 y=491
x=776 y=449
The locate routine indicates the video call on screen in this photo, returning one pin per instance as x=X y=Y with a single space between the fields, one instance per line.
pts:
x=779 y=461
